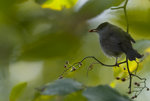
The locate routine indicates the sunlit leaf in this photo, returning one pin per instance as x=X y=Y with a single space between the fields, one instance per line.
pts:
x=17 y=91
x=122 y=71
x=147 y=50
x=103 y=93
x=61 y=87
x=113 y=83
x=59 y=4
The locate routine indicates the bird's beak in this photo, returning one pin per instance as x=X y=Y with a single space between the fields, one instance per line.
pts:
x=93 y=30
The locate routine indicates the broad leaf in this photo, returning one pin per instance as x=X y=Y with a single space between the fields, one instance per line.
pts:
x=61 y=87
x=76 y=96
x=94 y=7
x=49 y=46
x=17 y=91
x=103 y=93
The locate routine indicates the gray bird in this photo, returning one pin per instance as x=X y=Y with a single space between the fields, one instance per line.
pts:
x=114 y=41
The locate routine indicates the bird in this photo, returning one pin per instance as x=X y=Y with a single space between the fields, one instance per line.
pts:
x=115 y=41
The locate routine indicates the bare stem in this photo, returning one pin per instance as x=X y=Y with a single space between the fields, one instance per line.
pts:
x=126 y=17
x=101 y=62
x=130 y=75
x=78 y=64
x=124 y=7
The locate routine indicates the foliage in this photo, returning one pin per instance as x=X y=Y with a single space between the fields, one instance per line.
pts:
x=99 y=93
x=61 y=87
x=17 y=90
x=58 y=5
x=33 y=34
x=103 y=93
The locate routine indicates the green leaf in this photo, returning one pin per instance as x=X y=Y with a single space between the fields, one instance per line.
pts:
x=61 y=87
x=17 y=91
x=94 y=7
x=49 y=46
x=76 y=96
x=20 y=1
x=103 y=93
x=40 y=1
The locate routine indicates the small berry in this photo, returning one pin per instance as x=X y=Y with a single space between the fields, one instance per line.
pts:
x=65 y=66
x=80 y=63
x=73 y=69
x=147 y=89
x=118 y=78
x=67 y=62
x=123 y=79
x=136 y=83
x=133 y=97
x=60 y=77
x=124 y=68
x=129 y=92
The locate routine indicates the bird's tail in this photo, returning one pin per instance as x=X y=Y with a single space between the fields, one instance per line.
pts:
x=133 y=54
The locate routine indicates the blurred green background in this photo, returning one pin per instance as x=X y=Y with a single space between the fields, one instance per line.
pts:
x=38 y=36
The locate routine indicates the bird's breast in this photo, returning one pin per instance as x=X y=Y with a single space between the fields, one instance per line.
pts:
x=110 y=46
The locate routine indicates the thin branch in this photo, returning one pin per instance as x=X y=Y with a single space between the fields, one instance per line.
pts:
x=136 y=67
x=114 y=8
x=78 y=64
x=101 y=62
x=124 y=7
x=139 y=77
x=130 y=75
x=126 y=17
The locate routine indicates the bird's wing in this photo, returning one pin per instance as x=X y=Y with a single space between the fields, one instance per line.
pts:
x=125 y=46
x=130 y=38
x=122 y=33
x=123 y=40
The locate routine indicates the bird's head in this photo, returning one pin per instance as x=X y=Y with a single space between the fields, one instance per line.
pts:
x=100 y=27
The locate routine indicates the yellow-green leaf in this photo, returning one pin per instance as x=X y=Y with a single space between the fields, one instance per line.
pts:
x=17 y=91
x=122 y=71
x=59 y=4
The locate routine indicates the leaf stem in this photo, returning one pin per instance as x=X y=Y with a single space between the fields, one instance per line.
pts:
x=124 y=7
